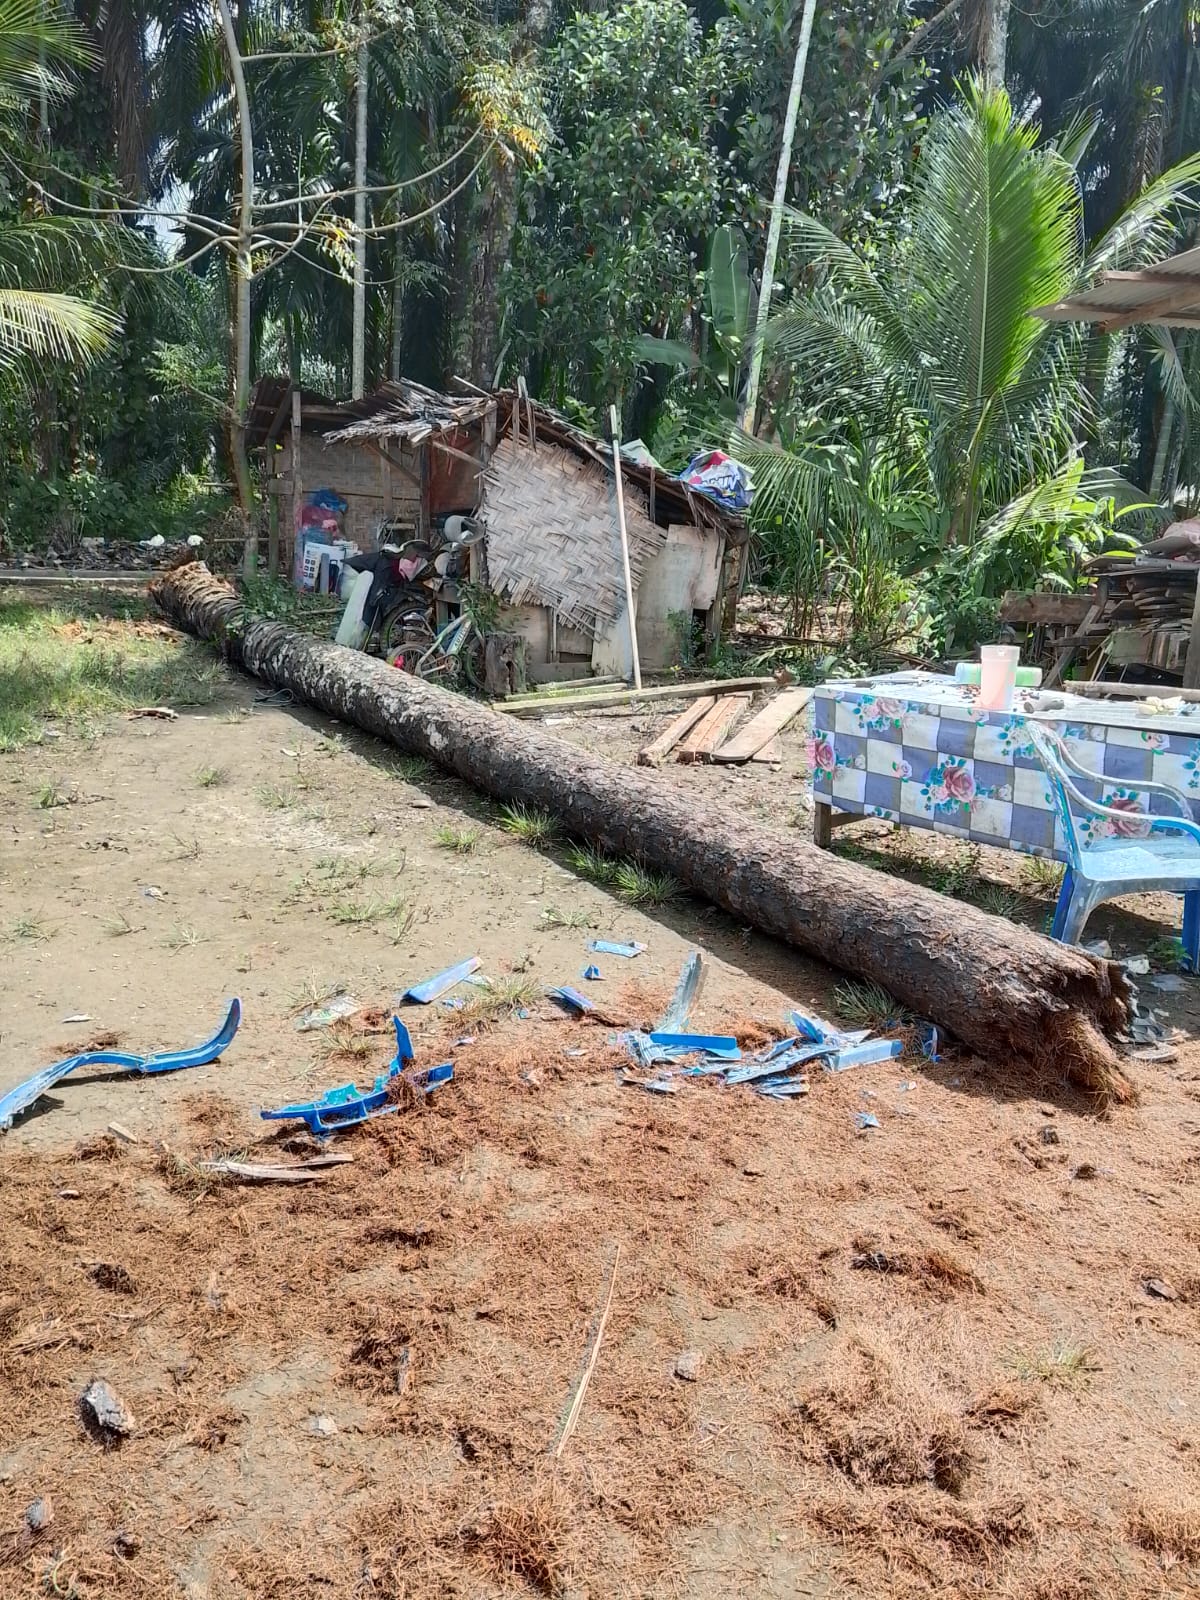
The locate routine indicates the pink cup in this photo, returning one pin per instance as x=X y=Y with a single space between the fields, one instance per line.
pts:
x=997 y=676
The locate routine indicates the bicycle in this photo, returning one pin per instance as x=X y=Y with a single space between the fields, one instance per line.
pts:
x=454 y=654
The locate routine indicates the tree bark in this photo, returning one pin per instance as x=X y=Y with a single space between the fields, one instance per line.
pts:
x=991 y=54
x=241 y=296
x=358 y=369
x=1006 y=992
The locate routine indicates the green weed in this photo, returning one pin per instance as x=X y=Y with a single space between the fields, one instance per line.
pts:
x=592 y=865
x=960 y=876
x=360 y=913
x=1041 y=877
x=50 y=795
x=461 y=840
x=184 y=937
x=212 y=777
x=33 y=928
x=276 y=797
x=868 y=1005
x=529 y=824
x=637 y=886
x=1060 y=1364
x=1001 y=901
x=502 y=998
x=555 y=917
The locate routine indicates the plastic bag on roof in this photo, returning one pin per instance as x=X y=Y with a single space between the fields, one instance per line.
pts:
x=721 y=478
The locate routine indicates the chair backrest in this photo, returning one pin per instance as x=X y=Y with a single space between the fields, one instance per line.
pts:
x=1062 y=788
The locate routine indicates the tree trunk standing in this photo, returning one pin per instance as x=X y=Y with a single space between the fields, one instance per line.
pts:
x=241 y=297
x=1006 y=992
x=397 y=309
x=782 y=172
x=358 y=379
x=992 y=48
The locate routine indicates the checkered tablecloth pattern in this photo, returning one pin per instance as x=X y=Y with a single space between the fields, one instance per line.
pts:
x=938 y=762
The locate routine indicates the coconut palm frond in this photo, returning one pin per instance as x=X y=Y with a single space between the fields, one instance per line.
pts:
x=37 y=324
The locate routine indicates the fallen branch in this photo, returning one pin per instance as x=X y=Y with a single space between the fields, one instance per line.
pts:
x=1007 y=992
x=575 y=1405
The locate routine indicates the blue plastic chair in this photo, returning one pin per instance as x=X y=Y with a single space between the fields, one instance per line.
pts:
x=1111 y=866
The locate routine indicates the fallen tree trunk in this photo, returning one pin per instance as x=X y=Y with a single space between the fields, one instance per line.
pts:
x=1006 y=992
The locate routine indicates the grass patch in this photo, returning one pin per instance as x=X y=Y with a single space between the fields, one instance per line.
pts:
x=184 y=937
x=959 y=876
x=638 y=886
x=277 y=797
x=33 y=928
x=529 y=824
x=89 y=656
x=1001 y=901
x=375 y=908
x=462 y=841
x=868 y=1005
x=1041 y=877
x=592 y=864
x=556 y=917
x=50 y=795
x=118 y=925
x=505 y=997
x=1061 y=1364
x=528 y=1539
x=409 y=769
x=212 y=777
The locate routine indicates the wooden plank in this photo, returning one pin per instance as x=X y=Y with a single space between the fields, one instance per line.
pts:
x=1032 y=608
x=459 y=455
x=297 y=485
x=712 y=728
x=650 y=755
x=771 y=754
x=626 y=697
x=1134 y=691
x=760 y=730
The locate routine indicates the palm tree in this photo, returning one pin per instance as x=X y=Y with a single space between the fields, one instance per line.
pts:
x=933 y=352
x=39 y=254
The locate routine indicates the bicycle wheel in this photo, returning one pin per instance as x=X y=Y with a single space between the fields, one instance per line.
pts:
x=407 y=635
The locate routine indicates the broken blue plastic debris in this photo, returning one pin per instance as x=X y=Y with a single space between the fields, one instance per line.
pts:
x=687 y=991
x=711 y=1044
x=606 y=947
x=434 y=988
x=782 y=1088
x=571 y=999
x=593 y=974
x=927 y=1038
x=775 y=1064
x=864 y=1120
x=864 y=1055
x=348 y=1105
x=455 y=1002
x=655 y=1085
x=24 y=1095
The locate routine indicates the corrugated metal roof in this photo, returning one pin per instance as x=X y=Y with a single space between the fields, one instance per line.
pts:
x=1167 y=294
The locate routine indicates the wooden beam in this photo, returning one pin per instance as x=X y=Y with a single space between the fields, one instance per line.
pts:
x=650 y=755
x=1134 y=691
x=712 y=728
x=461 y=455
x=770 y=754
x=761 y=730
x=281 y=411
x=627 y=697
x=392 y=462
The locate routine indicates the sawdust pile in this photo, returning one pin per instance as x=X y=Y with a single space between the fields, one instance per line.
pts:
x=351 y=1388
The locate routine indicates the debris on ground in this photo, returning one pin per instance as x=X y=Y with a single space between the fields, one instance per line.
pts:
x=104 y=1415
x=262 y=1172
x=1159 y=1289
x=688 y=1364
x=348 y=1105
x=574 y=1406
x=608 y=947
x=334 y=1010
x=201 y=1055
x=424 y=994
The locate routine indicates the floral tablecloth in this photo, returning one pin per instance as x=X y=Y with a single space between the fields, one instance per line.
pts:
x=922 y=754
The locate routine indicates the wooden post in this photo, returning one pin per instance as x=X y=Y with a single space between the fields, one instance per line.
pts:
x=615 y=424
x=272 y=516
x=1191 y=665
x=297 y=485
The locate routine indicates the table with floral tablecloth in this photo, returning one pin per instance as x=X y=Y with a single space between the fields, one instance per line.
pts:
x=914 y=748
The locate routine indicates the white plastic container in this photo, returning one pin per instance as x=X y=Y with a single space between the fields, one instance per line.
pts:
x=998 y=676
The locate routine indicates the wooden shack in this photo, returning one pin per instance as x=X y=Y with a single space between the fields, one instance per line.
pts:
x=406 y=457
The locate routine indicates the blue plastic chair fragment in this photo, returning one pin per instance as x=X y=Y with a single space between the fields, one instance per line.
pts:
x=347 y=1105
x=1165 y=860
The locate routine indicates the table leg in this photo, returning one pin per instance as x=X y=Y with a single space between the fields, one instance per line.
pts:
x=822 y=825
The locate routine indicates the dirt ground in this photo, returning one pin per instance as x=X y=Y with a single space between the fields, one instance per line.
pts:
x=926 y=1358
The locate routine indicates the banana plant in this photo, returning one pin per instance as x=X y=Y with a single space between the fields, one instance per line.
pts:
x=721 y=363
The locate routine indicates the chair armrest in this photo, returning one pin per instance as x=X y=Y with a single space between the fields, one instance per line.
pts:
x=1181 y=824
x=1141 y=785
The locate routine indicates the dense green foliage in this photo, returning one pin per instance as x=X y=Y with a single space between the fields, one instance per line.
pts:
x=582 y=198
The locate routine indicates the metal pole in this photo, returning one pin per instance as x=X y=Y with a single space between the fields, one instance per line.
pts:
x=615 y=423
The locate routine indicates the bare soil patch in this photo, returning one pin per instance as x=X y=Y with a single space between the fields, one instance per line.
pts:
x=352 y=1387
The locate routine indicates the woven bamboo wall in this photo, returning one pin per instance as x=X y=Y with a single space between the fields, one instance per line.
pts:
x=552 y=534
x=354 y=471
